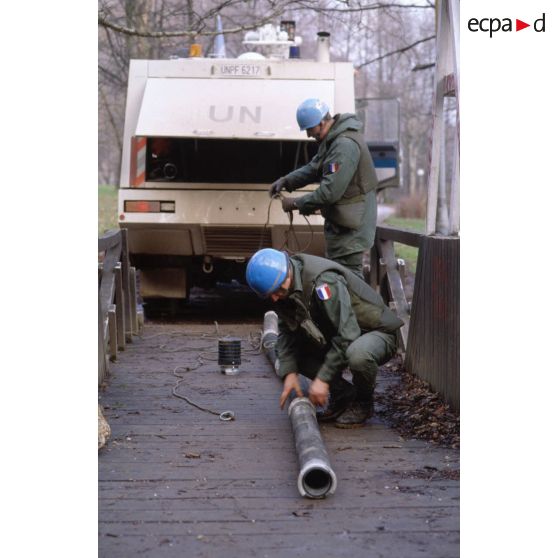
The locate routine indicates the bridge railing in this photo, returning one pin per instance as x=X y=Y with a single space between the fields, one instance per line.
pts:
x=429 y=337
x=118 y=318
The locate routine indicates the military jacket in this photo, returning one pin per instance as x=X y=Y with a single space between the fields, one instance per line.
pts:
x=346 y=195
x=328 y=308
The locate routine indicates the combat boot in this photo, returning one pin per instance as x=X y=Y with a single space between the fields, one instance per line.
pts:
x=356 y=414
x=342 y=394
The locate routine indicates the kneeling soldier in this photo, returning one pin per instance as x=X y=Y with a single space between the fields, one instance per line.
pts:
x=328 y=319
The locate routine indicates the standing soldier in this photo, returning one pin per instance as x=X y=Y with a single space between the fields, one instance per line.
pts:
x=346 y=195
x=328 y=319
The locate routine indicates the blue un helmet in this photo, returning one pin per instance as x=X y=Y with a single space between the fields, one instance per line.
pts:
x=310 y=113
x=266 y=270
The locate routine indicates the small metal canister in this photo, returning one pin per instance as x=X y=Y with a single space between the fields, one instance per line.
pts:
x=229 y=355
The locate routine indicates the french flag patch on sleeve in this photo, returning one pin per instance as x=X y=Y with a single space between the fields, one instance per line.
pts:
x=333 y=167
x=323 y=291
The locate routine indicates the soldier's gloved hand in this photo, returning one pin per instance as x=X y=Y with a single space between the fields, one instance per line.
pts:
x=277 y=186
x=289 y=204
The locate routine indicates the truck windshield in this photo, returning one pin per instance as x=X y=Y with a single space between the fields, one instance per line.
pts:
x=224 y=160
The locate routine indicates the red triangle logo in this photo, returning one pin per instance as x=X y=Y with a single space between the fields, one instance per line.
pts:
x=519 y=25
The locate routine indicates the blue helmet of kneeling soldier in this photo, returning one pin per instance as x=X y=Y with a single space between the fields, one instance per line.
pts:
x=266 y=270
x=310 y=113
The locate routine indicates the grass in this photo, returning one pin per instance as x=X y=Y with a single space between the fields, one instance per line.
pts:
x=108 y=206
x=407 y=253
x=417 y=225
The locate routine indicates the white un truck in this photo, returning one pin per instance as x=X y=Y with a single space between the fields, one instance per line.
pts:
x=203 y=140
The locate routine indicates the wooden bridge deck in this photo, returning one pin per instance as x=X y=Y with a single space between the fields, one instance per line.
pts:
x=176 y=481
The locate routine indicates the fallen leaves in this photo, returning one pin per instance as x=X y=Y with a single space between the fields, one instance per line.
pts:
x=415 y=411
x=431 y=473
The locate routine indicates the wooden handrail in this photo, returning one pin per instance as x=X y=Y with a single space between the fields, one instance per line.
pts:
x=117 y=305
x=403 y=236
x=109 y=240
x=385 y=272
x=430 y=338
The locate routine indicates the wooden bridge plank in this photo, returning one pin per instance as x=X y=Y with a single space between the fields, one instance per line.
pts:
x=380 y=544
x=239 y=497
x=287 y=522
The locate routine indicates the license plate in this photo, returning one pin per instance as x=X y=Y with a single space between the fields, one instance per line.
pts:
x=238 y=70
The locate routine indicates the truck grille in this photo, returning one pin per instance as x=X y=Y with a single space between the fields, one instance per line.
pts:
x=236 y=241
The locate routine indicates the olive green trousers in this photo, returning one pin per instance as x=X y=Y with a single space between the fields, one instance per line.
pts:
x=364 y=355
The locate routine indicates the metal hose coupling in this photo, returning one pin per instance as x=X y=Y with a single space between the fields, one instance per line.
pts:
x=316 y=478
x=269 y=338
x=270 y=328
